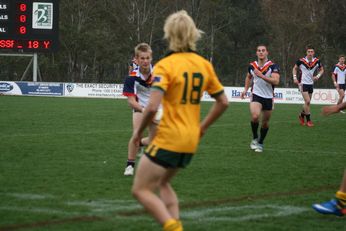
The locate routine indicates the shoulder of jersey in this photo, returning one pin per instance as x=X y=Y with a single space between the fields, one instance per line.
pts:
x=133 y=74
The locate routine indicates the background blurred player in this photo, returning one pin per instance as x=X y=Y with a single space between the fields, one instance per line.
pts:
x=265 y=75
x=338 y=76
x=307 y=66
x=179 y=81
x=137 y=89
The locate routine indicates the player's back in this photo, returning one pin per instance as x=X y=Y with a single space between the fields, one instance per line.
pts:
x=183 y=77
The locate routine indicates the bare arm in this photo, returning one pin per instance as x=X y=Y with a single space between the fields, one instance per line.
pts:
x=215 y=112
x=247 y=85
x=329 y=110
x=149 y=113
x=319 y=74
x=294 y=72
x=334 y=80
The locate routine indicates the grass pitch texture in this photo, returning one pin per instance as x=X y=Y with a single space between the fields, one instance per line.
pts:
x=62 y=163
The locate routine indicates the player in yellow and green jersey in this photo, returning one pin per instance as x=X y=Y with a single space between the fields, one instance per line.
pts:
x=179 y=82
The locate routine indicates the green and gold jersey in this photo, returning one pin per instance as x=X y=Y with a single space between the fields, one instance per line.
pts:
x=183 y=77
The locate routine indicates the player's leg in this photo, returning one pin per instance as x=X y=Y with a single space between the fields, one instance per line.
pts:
x=255 y=111
x=341 y=95
x=146 y=182
x=168 y=195
x=267 y=106
x=306 y=108
x=132 y=148
x=152 y=128
x=265 y=125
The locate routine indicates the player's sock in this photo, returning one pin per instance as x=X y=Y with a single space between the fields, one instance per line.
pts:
x=131 y=162
x=263 y=132
x=254 y=127
x=172 y=225
x=302 y=114
x=341 y=198
x=308 y=117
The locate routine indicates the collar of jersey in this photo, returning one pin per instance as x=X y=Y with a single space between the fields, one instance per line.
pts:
x=170 y=52
x=140 y=75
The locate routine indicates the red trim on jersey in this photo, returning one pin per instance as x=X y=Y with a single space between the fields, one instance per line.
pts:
x=341 y=67
x=133 y=74
x=310 y=64
x=129 y=94
x=264 y=68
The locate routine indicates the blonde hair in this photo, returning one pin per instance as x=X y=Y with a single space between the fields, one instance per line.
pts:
x=181 y=32
x=142 y=47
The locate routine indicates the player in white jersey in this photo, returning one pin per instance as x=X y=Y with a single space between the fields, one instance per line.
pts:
x=265 y=75
x=307 y=66
x=137 y=89
x=338 y=76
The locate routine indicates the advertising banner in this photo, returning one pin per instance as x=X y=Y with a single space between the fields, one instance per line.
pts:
x=99 y=90
x=282 y=95
x=31 y=88
x=114 y=91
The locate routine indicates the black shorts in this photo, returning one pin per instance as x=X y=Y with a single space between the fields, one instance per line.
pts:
x=168 y=159
x=267 y=104
x=308 y=88
x=342 y=86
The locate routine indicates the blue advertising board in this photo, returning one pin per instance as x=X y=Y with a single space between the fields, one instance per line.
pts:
x=31 y=88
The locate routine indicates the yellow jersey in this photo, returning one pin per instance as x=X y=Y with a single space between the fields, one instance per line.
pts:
x=183 y=77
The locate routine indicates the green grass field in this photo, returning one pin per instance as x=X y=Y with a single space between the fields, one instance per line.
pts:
x=62 y=163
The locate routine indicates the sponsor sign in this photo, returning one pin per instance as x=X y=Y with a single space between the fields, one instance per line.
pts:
x=42 y=15
x=282 y=95
x=100 y=90
x=115 y=91
x=31 y=88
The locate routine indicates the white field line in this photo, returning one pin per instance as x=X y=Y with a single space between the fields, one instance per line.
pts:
x=247 y=147
x=211 y=214
x=63 y=133
x=28 y=196
x=38 y=210
x=102 y=206
x=223 y=214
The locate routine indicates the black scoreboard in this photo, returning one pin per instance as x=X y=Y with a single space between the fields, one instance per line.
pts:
x=29 y=25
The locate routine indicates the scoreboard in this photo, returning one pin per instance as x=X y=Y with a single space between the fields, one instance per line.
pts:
x=29 y=25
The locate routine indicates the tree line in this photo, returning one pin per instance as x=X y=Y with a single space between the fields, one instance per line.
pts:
x=97 y=37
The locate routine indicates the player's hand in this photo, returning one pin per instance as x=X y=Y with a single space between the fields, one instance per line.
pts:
x=258 y=73
x=328 y=110
x=296 y=81
x=315 y=78
x=202 y=131
x=242 y=95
